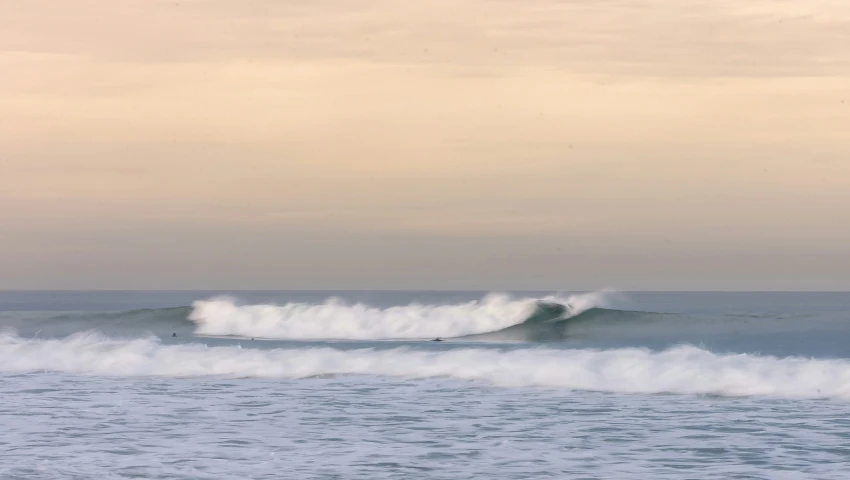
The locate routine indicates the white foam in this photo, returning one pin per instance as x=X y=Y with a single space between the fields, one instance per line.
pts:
x=337 y=320
x=681 y=370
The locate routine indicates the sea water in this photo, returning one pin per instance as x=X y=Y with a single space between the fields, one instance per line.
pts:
x=197 y=385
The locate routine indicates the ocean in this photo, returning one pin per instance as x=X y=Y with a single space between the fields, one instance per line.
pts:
x=348 y=385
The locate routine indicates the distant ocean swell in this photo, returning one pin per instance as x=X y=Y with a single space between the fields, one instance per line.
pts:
x=680 y=370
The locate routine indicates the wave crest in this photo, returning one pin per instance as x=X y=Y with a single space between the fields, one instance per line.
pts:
x=680 y=370
x=335 y=319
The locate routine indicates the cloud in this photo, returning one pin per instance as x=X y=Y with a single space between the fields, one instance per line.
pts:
x=651 y=38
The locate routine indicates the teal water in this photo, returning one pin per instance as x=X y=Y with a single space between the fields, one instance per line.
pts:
x=350 y=385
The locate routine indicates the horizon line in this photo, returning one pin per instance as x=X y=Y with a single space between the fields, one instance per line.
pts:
x=397 y=290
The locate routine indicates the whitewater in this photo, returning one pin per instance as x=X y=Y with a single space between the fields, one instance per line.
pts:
x=336 y=319
x=683 y=370
x=324 y=385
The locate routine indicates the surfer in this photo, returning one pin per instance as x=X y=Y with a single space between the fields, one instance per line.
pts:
x=174 y=334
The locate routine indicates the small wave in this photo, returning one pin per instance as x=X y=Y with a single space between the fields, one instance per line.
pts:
x=152 y=320
x=335 y=319
x=680 y=370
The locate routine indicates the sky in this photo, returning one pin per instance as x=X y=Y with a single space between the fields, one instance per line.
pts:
x=484 y=144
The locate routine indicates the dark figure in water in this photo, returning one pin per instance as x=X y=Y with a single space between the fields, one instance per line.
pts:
x=438 y=339
x=174 y=334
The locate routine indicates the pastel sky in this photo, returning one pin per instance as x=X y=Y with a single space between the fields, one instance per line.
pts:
x=477 y=144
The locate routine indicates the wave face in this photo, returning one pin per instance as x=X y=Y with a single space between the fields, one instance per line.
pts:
x=145 y=321
x=337 y=320
x=680 y=370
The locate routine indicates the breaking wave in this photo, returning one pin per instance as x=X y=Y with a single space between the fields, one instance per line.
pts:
x=335 y=319
x=680 y=370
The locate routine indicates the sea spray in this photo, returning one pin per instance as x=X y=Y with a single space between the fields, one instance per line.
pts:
x=335 y=319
